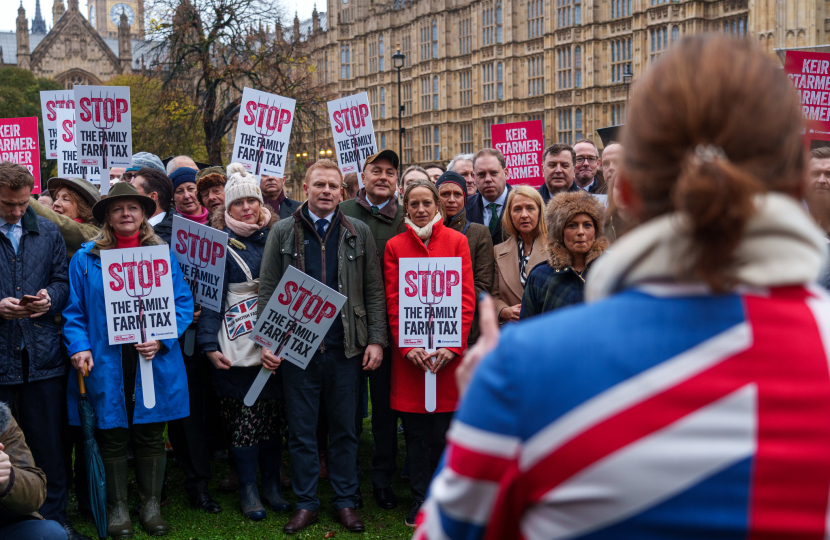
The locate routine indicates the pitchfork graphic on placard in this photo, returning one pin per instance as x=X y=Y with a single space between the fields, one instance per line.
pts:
x=135 y=290
x=297 y=318
x=99 y=121
x=352 y=130
x=262 y=129
x=424 y=298
x=195 y=260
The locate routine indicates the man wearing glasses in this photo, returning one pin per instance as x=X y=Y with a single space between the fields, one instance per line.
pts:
x=140 y=160
x=587 y=165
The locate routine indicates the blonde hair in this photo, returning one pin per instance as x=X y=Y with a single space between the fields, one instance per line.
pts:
x=541 y=230
x=424 y=184
x=146 y=236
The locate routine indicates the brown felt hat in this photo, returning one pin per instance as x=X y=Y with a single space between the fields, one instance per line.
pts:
x=122 y=190
x=82 y=187
x=383 y=154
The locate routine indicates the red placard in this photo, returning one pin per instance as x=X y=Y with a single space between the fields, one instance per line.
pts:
x=522 y=144
x=19 y=144
x=810 y=73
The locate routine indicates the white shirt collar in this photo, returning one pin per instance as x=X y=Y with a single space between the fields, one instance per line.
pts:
x=500 y=201
x=155 y=220
x=586 y=188
x=314 y=218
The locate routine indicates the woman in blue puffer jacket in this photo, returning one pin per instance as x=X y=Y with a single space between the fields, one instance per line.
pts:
x=224 y=338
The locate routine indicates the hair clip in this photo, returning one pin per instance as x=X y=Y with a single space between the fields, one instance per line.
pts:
x=709 y=153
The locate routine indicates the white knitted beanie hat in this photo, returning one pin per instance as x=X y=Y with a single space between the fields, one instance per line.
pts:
x=240 y=185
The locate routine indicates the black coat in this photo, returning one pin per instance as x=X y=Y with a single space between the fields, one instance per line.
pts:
x=40 y=263
x=475 y=214
x=164 y=228
x=288 y=207
x=545 y=193
x=236 y=381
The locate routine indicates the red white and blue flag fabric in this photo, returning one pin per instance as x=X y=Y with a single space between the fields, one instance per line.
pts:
x=654 y=414
x=240 y=318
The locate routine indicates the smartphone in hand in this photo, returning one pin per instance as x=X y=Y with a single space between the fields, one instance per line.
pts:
x=28 y=299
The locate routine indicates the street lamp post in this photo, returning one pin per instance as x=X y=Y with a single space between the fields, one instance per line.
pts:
x=627 y=78
x=398 y=61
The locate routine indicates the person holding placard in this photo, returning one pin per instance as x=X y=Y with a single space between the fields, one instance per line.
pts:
x=425 y=237
x=114 y=388
x=524 y=222
x=72 y=211
x=235 y=359
x=339 y=252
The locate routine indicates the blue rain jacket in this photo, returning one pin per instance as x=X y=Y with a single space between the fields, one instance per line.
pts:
x=85 y=328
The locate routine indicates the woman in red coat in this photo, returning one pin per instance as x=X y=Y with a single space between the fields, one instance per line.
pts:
x=425 y=236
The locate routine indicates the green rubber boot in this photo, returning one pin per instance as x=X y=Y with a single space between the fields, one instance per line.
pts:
x=119 y=525
x=149 y=473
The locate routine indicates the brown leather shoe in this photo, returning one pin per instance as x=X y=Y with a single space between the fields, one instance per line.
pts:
x=349 y=519
x=299 y=521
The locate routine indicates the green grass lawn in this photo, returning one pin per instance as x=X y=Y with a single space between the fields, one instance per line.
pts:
x=190 y=524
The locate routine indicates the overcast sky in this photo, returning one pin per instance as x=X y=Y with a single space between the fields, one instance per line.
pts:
x=8 y=10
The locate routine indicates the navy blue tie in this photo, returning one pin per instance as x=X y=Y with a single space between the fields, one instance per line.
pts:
x=321 y=227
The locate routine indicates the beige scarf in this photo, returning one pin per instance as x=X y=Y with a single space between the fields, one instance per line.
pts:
x=425 y=232
x=781 y=245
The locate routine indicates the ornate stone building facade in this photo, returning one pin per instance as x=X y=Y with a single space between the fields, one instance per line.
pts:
x=470 y=64
x=74 y=51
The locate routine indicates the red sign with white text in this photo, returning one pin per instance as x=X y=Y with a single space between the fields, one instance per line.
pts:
x=810 y=73
x=522 y=144
x=19 y=144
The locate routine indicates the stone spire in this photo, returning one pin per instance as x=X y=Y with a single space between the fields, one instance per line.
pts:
x=296 y=35
x=22 y=38
x=278 y=30
x=315 y=20
x=57 y=11
x=125 y=48
x=38 y=24
x=73 y=5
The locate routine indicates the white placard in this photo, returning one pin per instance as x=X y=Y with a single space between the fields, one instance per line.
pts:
x=103 y=127
x=429 y=310
x=263 y=131
x=353 y=131
x=51 y=101
x=138 y=292
x=201 y=252
x=297 y=317
x=429 y=306
x=68 y=166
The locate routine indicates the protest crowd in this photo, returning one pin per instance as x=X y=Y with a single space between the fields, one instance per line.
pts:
x=544 y=350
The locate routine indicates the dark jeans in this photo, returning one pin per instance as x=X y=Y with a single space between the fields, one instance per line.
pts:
x=188 y=436
x=333 y=377
x=384 y=423
x=33 y=529
x=37 y=407
x=426 y=436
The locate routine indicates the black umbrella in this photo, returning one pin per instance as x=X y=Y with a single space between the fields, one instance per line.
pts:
x=94 y=465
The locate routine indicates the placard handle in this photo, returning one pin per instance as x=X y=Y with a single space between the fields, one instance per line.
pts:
x=148 y=385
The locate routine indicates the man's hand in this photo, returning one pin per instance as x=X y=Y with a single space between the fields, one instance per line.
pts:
x=39 y=307
x=372 y=357
x=219 y=360
x=442 y=357
x=511 y=313
x=148 y=349
x=487 y=341
x=196 y=314
x=420 y=358
x=5 y=466
x=269 y=361
x=82 y=361
x=10 y=309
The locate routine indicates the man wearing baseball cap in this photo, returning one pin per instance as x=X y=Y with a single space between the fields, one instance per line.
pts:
x=377 y=206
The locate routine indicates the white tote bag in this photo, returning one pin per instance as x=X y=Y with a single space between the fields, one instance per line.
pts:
x=240 y=319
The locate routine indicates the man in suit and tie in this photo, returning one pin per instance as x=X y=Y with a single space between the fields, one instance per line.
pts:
x=487 y=205
x=558 y=166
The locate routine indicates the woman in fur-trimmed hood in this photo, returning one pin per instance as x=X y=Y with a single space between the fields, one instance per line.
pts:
x=575 y=222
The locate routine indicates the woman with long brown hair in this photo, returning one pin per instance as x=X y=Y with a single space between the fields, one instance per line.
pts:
x=114 y=381
x=690 y=395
